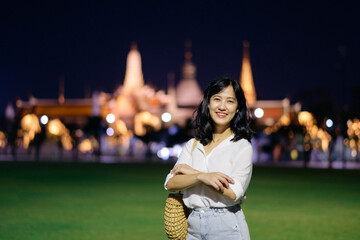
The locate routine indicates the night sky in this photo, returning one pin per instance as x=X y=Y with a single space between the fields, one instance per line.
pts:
x=295 y=46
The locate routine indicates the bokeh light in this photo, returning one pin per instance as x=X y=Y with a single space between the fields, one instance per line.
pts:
x=164 y=153
x=166 y=117
x=2 y=139
x=329 y=123
x=110 y=131
x=58 y=130
x=44 y=119
x=173 y=130
x=30 y=126
x=143 y=120
x=259 y=112
x=110 y=118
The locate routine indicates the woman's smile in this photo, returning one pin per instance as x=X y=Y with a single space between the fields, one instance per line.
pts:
x=223 y=107
x=221 y=114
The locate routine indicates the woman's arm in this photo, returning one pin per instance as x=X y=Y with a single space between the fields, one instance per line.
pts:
x=181 y=182
x=219 y=182
x=184 y=159
x=229 y=193
x=242 y=171
x=186 y=177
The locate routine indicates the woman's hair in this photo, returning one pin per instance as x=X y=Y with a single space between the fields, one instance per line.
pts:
x=240 y=124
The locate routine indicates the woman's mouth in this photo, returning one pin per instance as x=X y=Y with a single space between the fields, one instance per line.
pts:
x=221 y=115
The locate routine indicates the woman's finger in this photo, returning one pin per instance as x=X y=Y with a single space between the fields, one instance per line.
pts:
x=177 y=168
x=221 y=187
x=177 y=171
x=228 y=179
x=224 y=177
x=224 y=182
x=215 y=186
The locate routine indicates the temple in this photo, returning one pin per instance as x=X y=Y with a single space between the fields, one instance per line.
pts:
x=268 y=113
x=246 y=76
x=188 y=92
x=136 y=109
x=133 y=103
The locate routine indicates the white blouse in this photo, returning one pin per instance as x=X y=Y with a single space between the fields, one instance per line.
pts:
x=231 y=158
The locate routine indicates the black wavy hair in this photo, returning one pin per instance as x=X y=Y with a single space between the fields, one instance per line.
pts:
x=240 y=124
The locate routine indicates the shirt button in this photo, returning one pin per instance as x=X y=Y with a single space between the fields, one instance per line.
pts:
x=202 y=211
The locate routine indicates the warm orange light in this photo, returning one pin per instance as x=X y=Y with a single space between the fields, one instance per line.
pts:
x=267 y=131
x=85 y=146
x=353 y=132
x=56 y=128
x=143 y=119
x=30 y=126
x=246 y=77
x=305 y=118
x=353 y=153
x=294 y=154
x=2 y=140
x=319 y=137
x=121 y=127
x=352 y=143
x=66 y=142
x=285 y=120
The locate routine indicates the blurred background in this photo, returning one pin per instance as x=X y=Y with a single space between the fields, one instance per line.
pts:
x=113 y=82
x=84 y=83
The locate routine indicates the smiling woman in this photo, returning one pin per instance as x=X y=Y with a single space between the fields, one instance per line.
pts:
x=222 y=108
x=215 y=170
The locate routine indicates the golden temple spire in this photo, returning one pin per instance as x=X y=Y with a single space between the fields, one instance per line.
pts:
x=133 y=76
x=246 y=77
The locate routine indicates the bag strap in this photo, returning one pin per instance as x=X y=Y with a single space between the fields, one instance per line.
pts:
x=192 y=149
x=193 y=146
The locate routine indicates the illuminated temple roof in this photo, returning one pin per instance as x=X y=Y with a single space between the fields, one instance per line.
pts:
x=246 y=77
x=135 y=97
x=188 y=92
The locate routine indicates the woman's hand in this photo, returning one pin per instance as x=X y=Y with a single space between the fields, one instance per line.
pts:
x=183 y=169
x=217 y=180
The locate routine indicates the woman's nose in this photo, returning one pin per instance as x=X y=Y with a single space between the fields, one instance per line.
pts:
x=222 y=105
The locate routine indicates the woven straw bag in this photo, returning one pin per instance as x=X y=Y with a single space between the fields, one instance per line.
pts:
x=176 y=214
x=175 y=217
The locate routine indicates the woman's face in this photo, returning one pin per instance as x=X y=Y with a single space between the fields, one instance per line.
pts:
x=223 y=107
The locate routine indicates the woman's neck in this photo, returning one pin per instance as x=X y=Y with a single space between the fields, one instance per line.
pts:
x=221 y=135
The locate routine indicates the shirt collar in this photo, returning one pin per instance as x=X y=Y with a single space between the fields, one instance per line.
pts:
x=200 y=146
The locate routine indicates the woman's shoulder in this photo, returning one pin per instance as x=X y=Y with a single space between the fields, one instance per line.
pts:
x=189 y=143
x=243 y=143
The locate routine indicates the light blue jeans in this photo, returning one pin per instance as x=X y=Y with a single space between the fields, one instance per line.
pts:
x=217 y=224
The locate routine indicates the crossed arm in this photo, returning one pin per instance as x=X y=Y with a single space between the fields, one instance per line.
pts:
x=185 y=177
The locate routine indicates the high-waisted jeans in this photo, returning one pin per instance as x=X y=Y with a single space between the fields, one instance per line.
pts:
x=218 y=224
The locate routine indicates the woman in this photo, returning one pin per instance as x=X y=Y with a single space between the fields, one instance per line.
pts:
x=216 y=172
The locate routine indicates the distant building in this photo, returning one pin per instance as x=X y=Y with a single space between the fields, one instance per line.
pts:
x=135 y=103
x=266 y=112
x=130 y=99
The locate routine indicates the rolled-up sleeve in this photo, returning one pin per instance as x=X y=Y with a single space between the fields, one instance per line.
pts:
x=184 y=158
x=242 y=171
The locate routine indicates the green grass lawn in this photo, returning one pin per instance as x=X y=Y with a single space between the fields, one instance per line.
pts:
x=43 y=201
